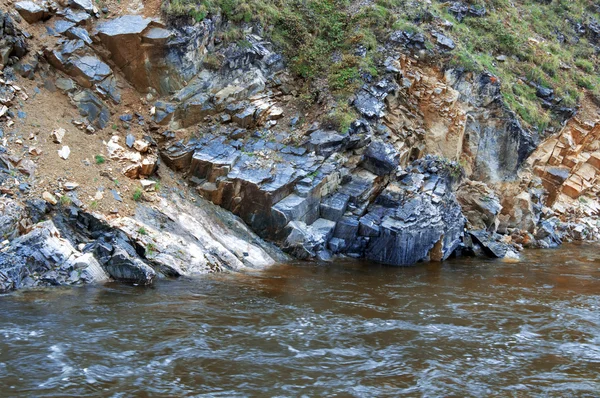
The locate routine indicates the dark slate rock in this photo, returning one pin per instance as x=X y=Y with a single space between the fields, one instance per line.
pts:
x=369 y=225
x=109 y=89
x=490 y=243
x=77 y=17
x=91 y=68
x=116 y=195
x=346 y=228
x=444 y=41
x=324 y=142
x=79 y=33
x=85 y=5
x=61 y=26
x=380 y=158
x=124 y=267
x=92 y=108
x=164 y=112
x=334 y=207
x=369 y=106
x=129 y=140
x=31 y=12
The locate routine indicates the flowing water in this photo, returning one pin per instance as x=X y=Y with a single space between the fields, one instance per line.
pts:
x=466 y=327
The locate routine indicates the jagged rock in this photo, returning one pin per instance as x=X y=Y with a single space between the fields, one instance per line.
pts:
x=32 y=12
x=480 y=205
x=124 y=267
x=92 y=108
x=369 y=105
x=89 y=70
x=164 y=112
x=380 y=158
x=518 y=212
x=461 y=10
x=61 y=26
x=42 y=258
x=85 y=5
x=444 y=41
x=494 y=134
x=108 y=89
x=77 y=33
x=11 y=215
x=412 y=40
x=245 y=118
x=70 y=186
x=149 y=165
x=157 y=36
x=178 y=156
x=77 y=17
x=26 y=167
x=491 y=244
x=324 y=142
x=305 y=241
x=334 y=207
x=141 y=146
x=66 y=85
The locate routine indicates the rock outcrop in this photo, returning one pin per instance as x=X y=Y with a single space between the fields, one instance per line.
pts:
x=75 y=247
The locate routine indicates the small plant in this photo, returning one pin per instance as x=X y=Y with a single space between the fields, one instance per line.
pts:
x=65 y=200
x=116 y=182
x=313 y=175
x=138 y=194
x=142 y=231
x=94 y=205
x=150 y=250
x=99 y=159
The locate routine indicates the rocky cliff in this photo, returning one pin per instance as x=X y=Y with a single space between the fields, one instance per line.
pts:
x=135 y=149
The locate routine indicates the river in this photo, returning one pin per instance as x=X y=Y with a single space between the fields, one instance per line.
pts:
x=467 y=327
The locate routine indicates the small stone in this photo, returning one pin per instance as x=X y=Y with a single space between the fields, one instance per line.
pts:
x=147 y=185
x=116 y=195
x=35 y=151
x=130 y=140
x=64 y=152
x=48 y=197
x=58 y=135
x=70 y=186
x=141 y=146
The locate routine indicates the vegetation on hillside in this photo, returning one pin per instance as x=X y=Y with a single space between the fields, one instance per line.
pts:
x=527 y=44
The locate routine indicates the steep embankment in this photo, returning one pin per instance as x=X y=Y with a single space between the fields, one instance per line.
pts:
x=354 y=135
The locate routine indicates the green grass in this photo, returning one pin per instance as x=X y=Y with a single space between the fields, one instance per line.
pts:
x=142 y=231
x=150 y=250
x=99 y=159
x=65 y=200
x=309 y=32
x=138 y=194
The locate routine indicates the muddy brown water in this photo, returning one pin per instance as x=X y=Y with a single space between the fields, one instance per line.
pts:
x=466 y=327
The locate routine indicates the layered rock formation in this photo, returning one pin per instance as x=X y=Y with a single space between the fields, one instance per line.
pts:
x=436 y=165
